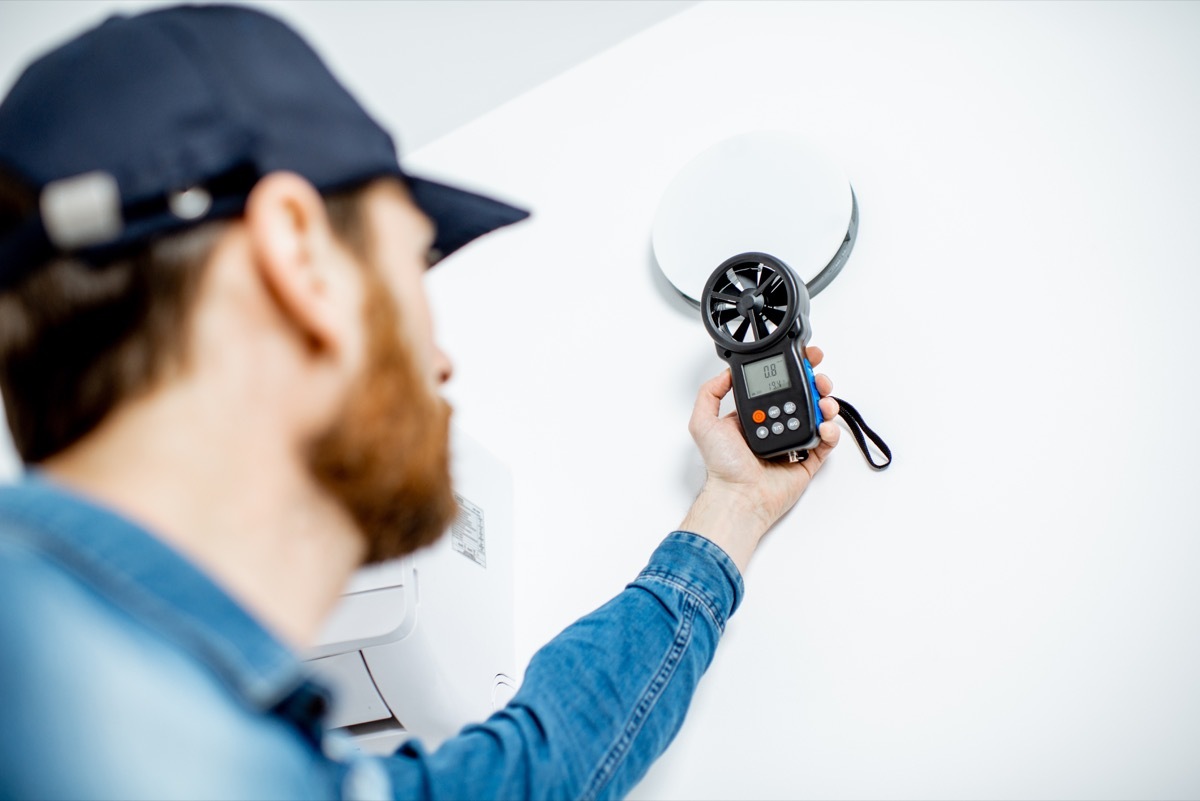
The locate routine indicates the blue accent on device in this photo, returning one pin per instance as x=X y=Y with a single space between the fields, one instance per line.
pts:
x=816 y=396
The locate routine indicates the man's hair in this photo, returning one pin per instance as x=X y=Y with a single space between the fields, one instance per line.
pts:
x=77 y=340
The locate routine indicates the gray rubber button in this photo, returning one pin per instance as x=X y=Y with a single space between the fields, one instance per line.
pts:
x=789 y=408
x=793 y=423
x=762 y=432
x=776 y=428
x=773 y=412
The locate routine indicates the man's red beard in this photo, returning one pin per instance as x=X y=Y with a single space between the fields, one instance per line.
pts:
x=386 y=458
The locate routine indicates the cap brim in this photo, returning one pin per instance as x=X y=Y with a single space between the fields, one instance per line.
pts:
x=460 y=216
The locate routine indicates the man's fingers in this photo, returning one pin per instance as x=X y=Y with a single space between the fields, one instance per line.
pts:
x=824 y=385
x=830 y=433
x=708 y=400
x=829 y=408
x=814 y=354
x=718 y=386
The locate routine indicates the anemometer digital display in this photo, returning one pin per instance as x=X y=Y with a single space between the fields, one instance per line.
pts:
x=756 y=311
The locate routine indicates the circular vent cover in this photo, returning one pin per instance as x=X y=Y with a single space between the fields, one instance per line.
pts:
x=768 y=191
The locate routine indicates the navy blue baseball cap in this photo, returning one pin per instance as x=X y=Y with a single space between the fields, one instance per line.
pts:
x=157 y=122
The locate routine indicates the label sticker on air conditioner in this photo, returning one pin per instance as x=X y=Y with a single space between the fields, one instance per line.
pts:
x=466 y=534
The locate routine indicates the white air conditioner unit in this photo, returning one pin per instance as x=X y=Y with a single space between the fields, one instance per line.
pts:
x=423 y=645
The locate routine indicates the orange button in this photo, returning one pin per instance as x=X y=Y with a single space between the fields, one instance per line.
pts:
x=758 y=416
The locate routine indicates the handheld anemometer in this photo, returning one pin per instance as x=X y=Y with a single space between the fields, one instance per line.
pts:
x=756 y=311
x=779 y=201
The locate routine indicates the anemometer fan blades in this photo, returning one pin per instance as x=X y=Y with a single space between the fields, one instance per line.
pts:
x=774 y=314
x=750 y=300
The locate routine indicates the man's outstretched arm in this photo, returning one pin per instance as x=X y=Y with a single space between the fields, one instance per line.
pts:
x=604 y=699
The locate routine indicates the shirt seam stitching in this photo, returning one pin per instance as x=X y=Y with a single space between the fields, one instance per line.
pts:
x=707 y=547
x=650 y=695
x=691 y=589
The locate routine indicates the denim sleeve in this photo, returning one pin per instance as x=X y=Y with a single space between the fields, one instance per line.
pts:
x=601 y=701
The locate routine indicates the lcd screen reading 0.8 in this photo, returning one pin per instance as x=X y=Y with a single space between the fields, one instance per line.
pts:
x=768 y=375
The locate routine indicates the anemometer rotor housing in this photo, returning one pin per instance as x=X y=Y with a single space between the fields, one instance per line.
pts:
x=752 y=301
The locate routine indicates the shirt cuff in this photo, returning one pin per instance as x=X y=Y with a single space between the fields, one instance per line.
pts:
x=699 y=567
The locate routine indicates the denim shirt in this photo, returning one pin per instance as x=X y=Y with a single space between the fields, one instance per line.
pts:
x=128 y=673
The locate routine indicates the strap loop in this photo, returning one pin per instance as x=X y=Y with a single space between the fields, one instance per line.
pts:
x=859 y=428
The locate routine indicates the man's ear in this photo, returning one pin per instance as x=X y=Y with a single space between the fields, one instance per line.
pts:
x=292 y=244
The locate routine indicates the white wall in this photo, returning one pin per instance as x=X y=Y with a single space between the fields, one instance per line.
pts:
x=1011 y=610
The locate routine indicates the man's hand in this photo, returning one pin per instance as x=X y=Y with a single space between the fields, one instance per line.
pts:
x=743 y=495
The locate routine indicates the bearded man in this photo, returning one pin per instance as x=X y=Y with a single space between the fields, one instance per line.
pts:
x=218 y=365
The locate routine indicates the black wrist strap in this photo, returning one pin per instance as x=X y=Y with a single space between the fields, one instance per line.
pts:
x=862 y=432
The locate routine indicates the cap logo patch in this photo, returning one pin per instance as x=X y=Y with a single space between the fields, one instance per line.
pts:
x=82 y=211
x=190 y=204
